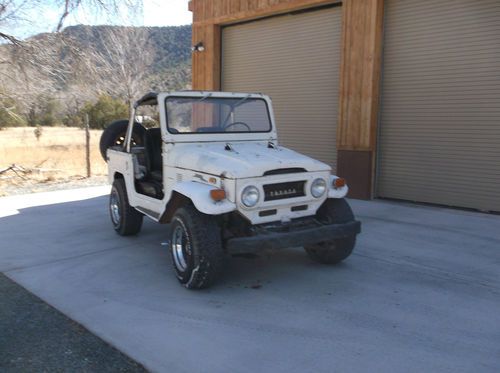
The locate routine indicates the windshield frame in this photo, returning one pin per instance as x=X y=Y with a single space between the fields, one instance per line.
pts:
x=170 y=137
x=200 y=99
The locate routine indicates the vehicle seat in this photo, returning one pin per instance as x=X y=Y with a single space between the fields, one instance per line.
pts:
x=152 y=145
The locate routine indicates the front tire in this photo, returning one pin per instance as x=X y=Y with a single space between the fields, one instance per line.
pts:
x=196 y=248
x=126 y=220
x=333 y=211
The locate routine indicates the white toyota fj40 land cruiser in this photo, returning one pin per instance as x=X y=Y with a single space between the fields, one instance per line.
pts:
x=213 y=169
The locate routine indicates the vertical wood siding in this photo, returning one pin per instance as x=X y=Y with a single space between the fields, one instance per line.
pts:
x=360 y=74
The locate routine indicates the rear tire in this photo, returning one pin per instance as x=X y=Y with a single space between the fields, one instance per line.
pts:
x=114 y=135
x=196 y=248
x=126 y=220
x=333 y=211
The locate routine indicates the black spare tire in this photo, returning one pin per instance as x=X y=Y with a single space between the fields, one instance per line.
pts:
x=115 y=133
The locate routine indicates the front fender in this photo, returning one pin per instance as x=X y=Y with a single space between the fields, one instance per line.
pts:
x=199 y=194
x=337 y=192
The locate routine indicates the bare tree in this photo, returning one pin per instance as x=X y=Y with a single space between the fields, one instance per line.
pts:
x=11 y=11
x=108 y=6
x=32 y=67
x=59 y=65
x=119 y=63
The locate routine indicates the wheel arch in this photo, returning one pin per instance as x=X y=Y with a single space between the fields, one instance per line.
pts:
x=197 y=194
x=177 y=200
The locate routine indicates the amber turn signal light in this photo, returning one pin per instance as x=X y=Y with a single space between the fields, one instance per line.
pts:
x=338 y=183
x=217 y=194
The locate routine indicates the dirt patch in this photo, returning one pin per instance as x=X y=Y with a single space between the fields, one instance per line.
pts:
x=56 y=160
x=59 y=152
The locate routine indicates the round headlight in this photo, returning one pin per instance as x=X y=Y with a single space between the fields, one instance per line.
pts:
x=318 y=188
x=250 y=196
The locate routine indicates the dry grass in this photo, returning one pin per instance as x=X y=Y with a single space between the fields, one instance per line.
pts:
x=59 y=154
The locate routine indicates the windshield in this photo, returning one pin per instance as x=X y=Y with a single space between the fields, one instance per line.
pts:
x=187 y=115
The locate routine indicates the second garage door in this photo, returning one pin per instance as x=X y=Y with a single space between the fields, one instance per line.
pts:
x=440 y=119
x=294 y=59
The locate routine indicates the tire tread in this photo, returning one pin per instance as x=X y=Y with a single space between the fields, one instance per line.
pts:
x=131 y=219
x=333 y=211
x=206 y=245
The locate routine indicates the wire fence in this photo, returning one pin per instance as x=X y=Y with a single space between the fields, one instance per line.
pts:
x=53 y=153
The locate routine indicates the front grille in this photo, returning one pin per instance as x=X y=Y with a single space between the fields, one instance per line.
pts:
x=289 y=189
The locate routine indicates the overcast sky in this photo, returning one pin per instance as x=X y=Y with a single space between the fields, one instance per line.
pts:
x=155 y=13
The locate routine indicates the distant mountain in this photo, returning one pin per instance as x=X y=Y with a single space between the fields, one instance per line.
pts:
x=172 y=44
x=57 y=59
x=60 y=72
x=171 y=67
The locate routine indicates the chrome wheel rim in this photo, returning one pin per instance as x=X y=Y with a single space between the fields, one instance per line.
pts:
x=114 y=208
x=180 y=248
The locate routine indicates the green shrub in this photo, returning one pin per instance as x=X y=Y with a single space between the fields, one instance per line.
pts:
x=104 y=111
x=45 y=112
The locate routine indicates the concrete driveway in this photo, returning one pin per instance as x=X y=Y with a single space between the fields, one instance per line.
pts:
x=420 y=293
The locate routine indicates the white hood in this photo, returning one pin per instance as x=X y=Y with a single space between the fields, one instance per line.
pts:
x=245 y=159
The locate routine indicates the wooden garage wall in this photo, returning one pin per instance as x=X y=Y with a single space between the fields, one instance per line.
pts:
x=362 y=22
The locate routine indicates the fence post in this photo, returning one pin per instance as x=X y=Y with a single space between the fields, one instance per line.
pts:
x=87 y=144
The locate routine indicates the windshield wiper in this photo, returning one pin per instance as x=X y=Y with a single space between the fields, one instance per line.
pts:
x=239 y=102
x=235 y=105
x=207 y=95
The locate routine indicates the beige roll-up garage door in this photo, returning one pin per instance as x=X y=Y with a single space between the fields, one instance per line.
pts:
x=439 y=137
x=293 y=58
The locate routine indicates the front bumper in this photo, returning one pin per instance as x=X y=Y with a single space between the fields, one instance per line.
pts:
x=292 y=238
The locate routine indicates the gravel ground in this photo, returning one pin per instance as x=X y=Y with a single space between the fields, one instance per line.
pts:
x=19 y=186
x=35 y=337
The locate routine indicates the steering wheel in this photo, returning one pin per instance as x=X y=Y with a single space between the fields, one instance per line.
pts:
x=235 y=123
